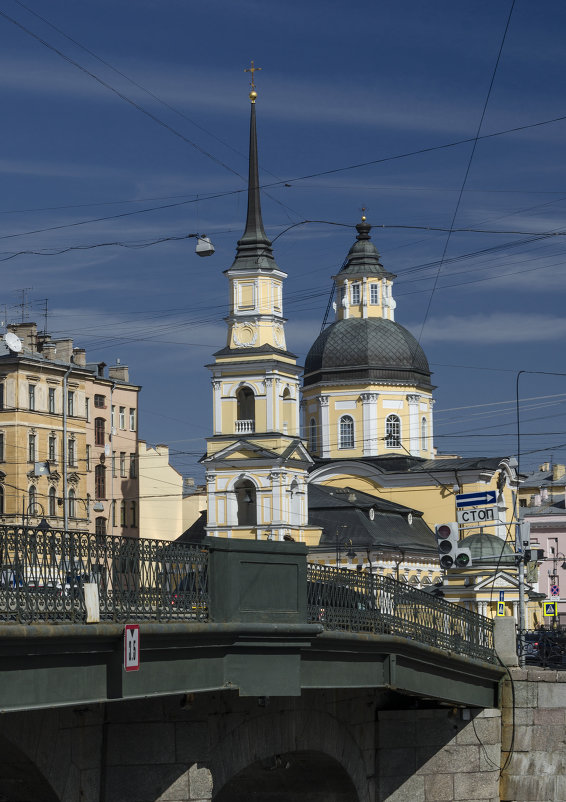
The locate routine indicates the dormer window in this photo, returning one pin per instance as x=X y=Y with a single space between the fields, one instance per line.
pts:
x=374 y=294
x=356 y=293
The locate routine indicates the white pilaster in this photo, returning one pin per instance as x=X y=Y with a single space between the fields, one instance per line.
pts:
x=324 y=433
x=365 y=299
x=369 y=418
x=217 y=415
x=269 y=404
x=211 y=497
x=278 y=402
x=413 y=401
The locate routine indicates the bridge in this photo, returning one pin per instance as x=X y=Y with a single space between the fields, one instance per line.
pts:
x=259 y=672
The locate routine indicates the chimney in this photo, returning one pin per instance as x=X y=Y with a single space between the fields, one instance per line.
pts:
x=79 y=356
x=558 y=471
x=49 y=350
x=536 y=500
x=119 y=372
x=544 y=493
x=64 y=349
x=27 y=332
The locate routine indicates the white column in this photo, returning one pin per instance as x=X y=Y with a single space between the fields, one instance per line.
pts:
x=277 y=385
x=346 y=302
x=365 y=300
x=211 y=498
x=431 y=425
x=516 y=610
x=297 y=432
x=217 y=414
x=369 y=418
x=324 y=433
x=269 y=404
x=413 y=401
x=277 y=511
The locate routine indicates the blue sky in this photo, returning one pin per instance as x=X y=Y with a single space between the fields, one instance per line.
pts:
x=338 y=87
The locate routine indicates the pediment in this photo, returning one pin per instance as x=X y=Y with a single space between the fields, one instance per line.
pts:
x=501 y=581
x=242 y=449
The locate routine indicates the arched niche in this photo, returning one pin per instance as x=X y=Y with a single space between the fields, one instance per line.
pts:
x=307 y=776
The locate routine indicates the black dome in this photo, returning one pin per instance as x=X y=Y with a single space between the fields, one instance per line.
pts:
x=370 y=349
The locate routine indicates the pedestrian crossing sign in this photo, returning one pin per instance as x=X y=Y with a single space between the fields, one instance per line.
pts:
x=500 y=608
x=550 y=608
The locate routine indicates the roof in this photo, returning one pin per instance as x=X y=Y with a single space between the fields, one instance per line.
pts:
x=488 y=548
x=399 y=463
x=363 y=256
x=539 y=478
x=371 y=349
x=555 y=506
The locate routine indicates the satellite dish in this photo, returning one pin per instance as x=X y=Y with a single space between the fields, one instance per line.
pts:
x=13 y=342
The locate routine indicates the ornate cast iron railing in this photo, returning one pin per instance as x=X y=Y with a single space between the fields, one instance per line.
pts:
x=347 y=600
x=43 y=574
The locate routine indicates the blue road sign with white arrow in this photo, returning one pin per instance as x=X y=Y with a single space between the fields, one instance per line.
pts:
x=476 y=499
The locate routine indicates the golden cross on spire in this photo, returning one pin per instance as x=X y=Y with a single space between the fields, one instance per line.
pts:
x=252 y=69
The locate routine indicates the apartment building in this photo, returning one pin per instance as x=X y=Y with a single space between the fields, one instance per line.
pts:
x=58 y=436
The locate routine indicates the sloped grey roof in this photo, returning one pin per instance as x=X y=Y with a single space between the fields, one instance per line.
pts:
x=363 y=256
x=368 y=348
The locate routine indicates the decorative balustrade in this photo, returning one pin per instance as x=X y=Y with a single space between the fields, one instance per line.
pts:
x=245 y=426
x=43 y=574
x=355 y=602
x=43 y=577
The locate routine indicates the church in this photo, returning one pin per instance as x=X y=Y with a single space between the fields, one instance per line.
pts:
x=343 y=461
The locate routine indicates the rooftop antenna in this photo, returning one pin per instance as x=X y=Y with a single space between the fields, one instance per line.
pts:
x=24 y=304
x=45 y=302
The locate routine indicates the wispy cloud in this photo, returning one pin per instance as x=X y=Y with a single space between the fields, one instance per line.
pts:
x=496 y=327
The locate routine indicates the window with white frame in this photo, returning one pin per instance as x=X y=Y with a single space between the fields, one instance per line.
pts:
x=393 y=431
x=72 y=504
x=374 y=293
x=52 y=448
x=88 y=458
x=424 y=435
x=356 y=293
x=312 y=436
x=87 y=409
x=122 y=417
x=32 y=440
x=32 y=501
x=132 y=420
x=346 y=432
x=31 y=396
x=51 y=400
x=123 y=464
x=52 y=505
x=1 y=446
x=71 y=452
x=70 y=403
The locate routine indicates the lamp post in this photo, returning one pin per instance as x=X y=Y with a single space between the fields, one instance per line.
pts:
x=350 y=554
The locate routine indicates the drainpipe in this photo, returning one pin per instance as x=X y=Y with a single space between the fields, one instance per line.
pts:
x=112 y=461
x=65 y=479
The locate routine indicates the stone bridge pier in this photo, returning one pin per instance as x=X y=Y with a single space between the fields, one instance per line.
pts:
x=333 y=745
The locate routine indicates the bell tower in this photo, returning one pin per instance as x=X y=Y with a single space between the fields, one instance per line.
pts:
x=256 y=463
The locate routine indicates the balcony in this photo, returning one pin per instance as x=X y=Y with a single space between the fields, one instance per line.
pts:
x=245 y=426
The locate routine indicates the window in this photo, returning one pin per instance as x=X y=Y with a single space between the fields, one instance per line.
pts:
x=312 y=434
x=1 y=446
x=2 y=396
x=99 y=401
x=52 y=448
x=355 y=293
x=99 y=431
x=392 y=432
x=346 y=432
x=99 y=482
x=246 y=499
x=32 y=501
x=374 y=293
x=132 y=420
x=52 y=504
x=88 y=458
x=72 y=504
x=88 y=505
x=31 y=396
x=113 y=512
x=70 y=403
x=87 y=409
x=123 y=464
x=245 y=400
x=122 y=513
x=31 y=447
x=133 y=514
x=113 y=463
x=122 y=417
x=1 y=500
x=133 y=471
x=52 y=400
x=424 y=435
x=100 y=525
x=113 y=417
x=71 y=452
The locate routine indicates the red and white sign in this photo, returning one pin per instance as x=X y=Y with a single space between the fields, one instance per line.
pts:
x=132 y=647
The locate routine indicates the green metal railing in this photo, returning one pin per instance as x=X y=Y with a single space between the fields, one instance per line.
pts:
x=43 y=577
x=354 y=602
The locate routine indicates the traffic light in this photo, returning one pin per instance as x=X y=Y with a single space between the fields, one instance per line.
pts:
x=450 y=553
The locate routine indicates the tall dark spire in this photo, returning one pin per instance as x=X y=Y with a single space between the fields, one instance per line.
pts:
x=254 y=248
